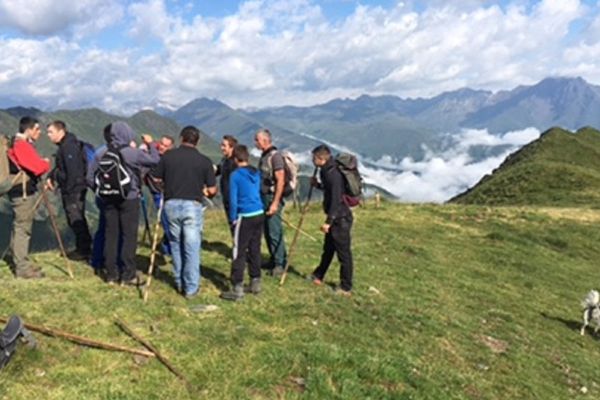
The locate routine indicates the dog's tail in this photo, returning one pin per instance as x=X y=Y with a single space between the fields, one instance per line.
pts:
x=591 y=300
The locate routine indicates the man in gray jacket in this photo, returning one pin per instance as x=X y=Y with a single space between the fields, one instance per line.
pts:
x=122 y=214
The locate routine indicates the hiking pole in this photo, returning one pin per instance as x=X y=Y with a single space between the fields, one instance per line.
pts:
x=56 y=231
x=82 y=340
x=153 y=251
x=288 y=223
x=147 y=223
x=297 y=233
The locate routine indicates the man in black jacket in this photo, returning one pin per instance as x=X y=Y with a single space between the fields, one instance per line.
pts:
x=69 y=173
x=338 y=224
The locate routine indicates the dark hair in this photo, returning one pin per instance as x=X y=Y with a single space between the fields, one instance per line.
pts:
x=190 y=134
x=231 y=140
x=58 y=125
x=27 y=123
x=106 y=133
x=322 y=151
x=265 y=132
x=169 y=137
x=240 y=153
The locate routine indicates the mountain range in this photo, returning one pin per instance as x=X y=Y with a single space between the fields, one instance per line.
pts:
x=375 y=126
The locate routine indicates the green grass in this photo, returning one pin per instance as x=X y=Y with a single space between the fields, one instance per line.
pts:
x=450 y=301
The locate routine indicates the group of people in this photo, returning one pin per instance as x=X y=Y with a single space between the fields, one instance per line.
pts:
x=178 y=178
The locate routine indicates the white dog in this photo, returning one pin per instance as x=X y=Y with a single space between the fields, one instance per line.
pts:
x=591 y=313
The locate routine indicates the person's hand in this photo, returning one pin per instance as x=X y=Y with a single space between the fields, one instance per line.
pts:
x=325 y=228
x=314 y=182
x=147 y=138
x=49 y=185
x=272 y=209
x=205 y=192
x=47 y=160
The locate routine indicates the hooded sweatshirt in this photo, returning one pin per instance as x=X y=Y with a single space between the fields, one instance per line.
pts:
x=244 y=193
x=134 y=159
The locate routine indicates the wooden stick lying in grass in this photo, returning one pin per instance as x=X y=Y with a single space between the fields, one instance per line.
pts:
x=153 y=349
x=288 y=223
x=82 y=340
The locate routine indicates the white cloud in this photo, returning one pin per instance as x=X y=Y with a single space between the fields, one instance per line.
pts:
x=47 y=17
x=274 y=52
x=440 y=176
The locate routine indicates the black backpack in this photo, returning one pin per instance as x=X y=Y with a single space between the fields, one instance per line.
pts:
x=112 y=180
x=13 y=331
x=353 y=184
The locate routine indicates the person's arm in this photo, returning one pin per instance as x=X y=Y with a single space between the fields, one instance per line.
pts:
x=28 y=158
x=210 y=182
x=72 y=168
x=233 y=198
x=336 y=186
x=278 y=165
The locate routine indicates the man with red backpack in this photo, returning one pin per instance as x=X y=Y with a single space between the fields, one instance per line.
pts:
x=23 y=156
x=69 y=173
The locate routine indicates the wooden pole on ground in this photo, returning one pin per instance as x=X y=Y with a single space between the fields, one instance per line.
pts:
x=297 y=233
x=82 y=340
x=56 y=231
x=153 y=349
x=153 y=251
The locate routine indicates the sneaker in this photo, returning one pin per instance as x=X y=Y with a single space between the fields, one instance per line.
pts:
x=277 y=271
x=135 y=281
x=341 y=292
x=236 y=293
x=255 y=286
x=315 y=281
x=189 y=296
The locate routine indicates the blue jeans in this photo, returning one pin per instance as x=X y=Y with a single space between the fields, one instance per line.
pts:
x=185 y=234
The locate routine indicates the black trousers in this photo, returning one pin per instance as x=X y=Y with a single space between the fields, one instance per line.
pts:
x=338 y=240
x=246 y=247
x=122 y=219
x=74 y=206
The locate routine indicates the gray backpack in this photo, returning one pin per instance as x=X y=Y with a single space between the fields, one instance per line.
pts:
x=348 y=166
x=14 y=330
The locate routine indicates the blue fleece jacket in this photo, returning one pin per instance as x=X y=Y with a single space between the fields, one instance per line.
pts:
x=244 y=193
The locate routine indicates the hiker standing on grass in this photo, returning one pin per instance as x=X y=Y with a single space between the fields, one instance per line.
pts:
x=188 y=176
x=272 y=169
x=165 y=144
x=224 y=170
x=70 y=174
x=338 y=224
x=122 y=213
x=246 y=216
x=23 y=156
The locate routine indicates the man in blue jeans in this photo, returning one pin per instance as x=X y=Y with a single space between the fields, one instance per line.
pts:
x=188 y=176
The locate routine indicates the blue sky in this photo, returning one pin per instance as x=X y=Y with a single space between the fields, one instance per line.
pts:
x=121 y=55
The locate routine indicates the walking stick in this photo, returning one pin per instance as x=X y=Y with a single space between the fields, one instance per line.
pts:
x=56 y=231
x=297 y=233
x=82 y=340
x=147 y=223
x=288 y=223
x=153 y=252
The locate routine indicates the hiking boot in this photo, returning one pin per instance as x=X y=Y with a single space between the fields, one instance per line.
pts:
x=277 y=271
x=267 y=265
x=236 y=293
x=341 y=292
x=135 y=281
x=76 y=255
x=31 y=273
x=255 y=286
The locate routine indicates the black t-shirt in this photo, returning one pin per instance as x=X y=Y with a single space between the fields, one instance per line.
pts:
x=185 y=172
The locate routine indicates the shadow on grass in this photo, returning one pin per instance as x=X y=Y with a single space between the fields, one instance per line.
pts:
x=217 y=247
x=219 y=279
x=573 y=325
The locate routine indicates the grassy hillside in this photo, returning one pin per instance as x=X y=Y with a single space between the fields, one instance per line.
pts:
x=558 y=169
x=460 y=302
